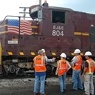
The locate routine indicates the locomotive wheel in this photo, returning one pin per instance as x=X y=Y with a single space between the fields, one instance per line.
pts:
x=12 y=69
x=4 y=73
x=21 y=72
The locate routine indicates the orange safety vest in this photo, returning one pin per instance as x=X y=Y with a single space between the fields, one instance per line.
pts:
x=91 y=66
x=39 y=64
x=62 y=67
x=77 y=66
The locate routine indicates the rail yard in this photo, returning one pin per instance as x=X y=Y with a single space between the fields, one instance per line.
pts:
x=24 y=86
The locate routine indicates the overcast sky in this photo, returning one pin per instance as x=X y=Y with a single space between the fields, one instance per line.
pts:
x=11 y=7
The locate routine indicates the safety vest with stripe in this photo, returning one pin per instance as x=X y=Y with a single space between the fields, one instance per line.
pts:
x=91 y=66
x=62 y=67
x=39 y=64
x=78 y=64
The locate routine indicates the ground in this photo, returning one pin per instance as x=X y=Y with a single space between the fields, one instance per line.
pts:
x=25 y=87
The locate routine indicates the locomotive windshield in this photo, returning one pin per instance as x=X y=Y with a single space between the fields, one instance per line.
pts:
x=36 y=13
x=58 y=17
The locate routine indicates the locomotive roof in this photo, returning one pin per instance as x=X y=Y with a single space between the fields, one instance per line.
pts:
x=56 y=8
x=53 y=7
x=60 y=8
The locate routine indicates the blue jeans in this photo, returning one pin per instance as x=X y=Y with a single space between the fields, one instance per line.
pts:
x=39 y=84
x=62 y=81
x=76 y=79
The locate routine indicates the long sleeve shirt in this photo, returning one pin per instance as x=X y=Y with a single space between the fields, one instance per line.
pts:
x=48 y=60
x=74 y=60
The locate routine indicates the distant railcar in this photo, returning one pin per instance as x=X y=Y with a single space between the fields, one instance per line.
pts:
x=55 y=29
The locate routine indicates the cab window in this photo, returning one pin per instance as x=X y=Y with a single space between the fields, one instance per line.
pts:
x=34 y=15
x=58 y=17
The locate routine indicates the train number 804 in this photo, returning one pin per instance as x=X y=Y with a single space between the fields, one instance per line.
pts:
x=57 y=33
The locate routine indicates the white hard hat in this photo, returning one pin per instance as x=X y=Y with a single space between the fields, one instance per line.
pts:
x=77 y=51
x=88 y=53
x=63 y=55
x=40 y=52
x=43 y=50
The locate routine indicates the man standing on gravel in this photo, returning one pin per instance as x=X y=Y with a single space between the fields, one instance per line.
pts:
x=89 y=68
x=62 y=67
x=40 y=73
x=76 y=66
x=47 y=60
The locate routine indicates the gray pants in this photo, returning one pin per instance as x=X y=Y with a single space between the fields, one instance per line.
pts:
x=88 y=84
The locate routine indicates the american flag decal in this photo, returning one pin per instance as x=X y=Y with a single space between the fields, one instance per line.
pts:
x=25 y=27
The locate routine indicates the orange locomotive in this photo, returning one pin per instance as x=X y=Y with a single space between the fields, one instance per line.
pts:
x=55 y=29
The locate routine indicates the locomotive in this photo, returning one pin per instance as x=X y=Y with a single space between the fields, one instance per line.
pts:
x=55 y=29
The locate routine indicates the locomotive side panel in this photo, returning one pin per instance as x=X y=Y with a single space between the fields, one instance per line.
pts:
x=82 y=25
x=55 y=29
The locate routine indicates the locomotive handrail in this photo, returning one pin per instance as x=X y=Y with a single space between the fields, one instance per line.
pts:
x=11 y=16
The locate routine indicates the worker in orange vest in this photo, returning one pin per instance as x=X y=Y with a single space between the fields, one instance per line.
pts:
x=62 y=67
x=40 y=73
x=76 y=64
x=89 y=68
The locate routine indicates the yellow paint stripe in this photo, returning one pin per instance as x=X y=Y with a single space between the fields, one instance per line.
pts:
x=34 y=33
x=34 y=26
x=77 y=33
x=21 y=53
x=83 y=33
x=72 y=53
x=32 y=53
x=3 y=25
x=3 y=32
x=10 y=53
x=53 y=53
x=7 y=25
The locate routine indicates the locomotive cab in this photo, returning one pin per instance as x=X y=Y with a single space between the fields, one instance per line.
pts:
x=55 y=26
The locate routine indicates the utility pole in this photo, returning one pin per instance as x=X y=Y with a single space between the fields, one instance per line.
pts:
x=0 y=58
x=40 y=2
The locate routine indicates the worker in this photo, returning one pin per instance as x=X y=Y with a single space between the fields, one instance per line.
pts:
x=47 y=60
x=62 y=67
x=76 y=64
x=89 y=67
x=40 y=73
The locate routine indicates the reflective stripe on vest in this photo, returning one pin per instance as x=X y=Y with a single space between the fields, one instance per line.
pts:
x=78 y=65
x=91 y=66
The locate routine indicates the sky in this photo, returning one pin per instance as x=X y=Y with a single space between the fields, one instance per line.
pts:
x=11 y=7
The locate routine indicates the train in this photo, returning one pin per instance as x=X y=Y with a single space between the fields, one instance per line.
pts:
x=55 y=29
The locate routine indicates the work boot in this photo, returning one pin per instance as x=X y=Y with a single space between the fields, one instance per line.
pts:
x=36 y=93
x=61 y=93
x=84 y=94
x=46 y=83
x=42 y=94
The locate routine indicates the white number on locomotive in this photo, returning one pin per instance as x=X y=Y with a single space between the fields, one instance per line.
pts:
x=57 y=33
